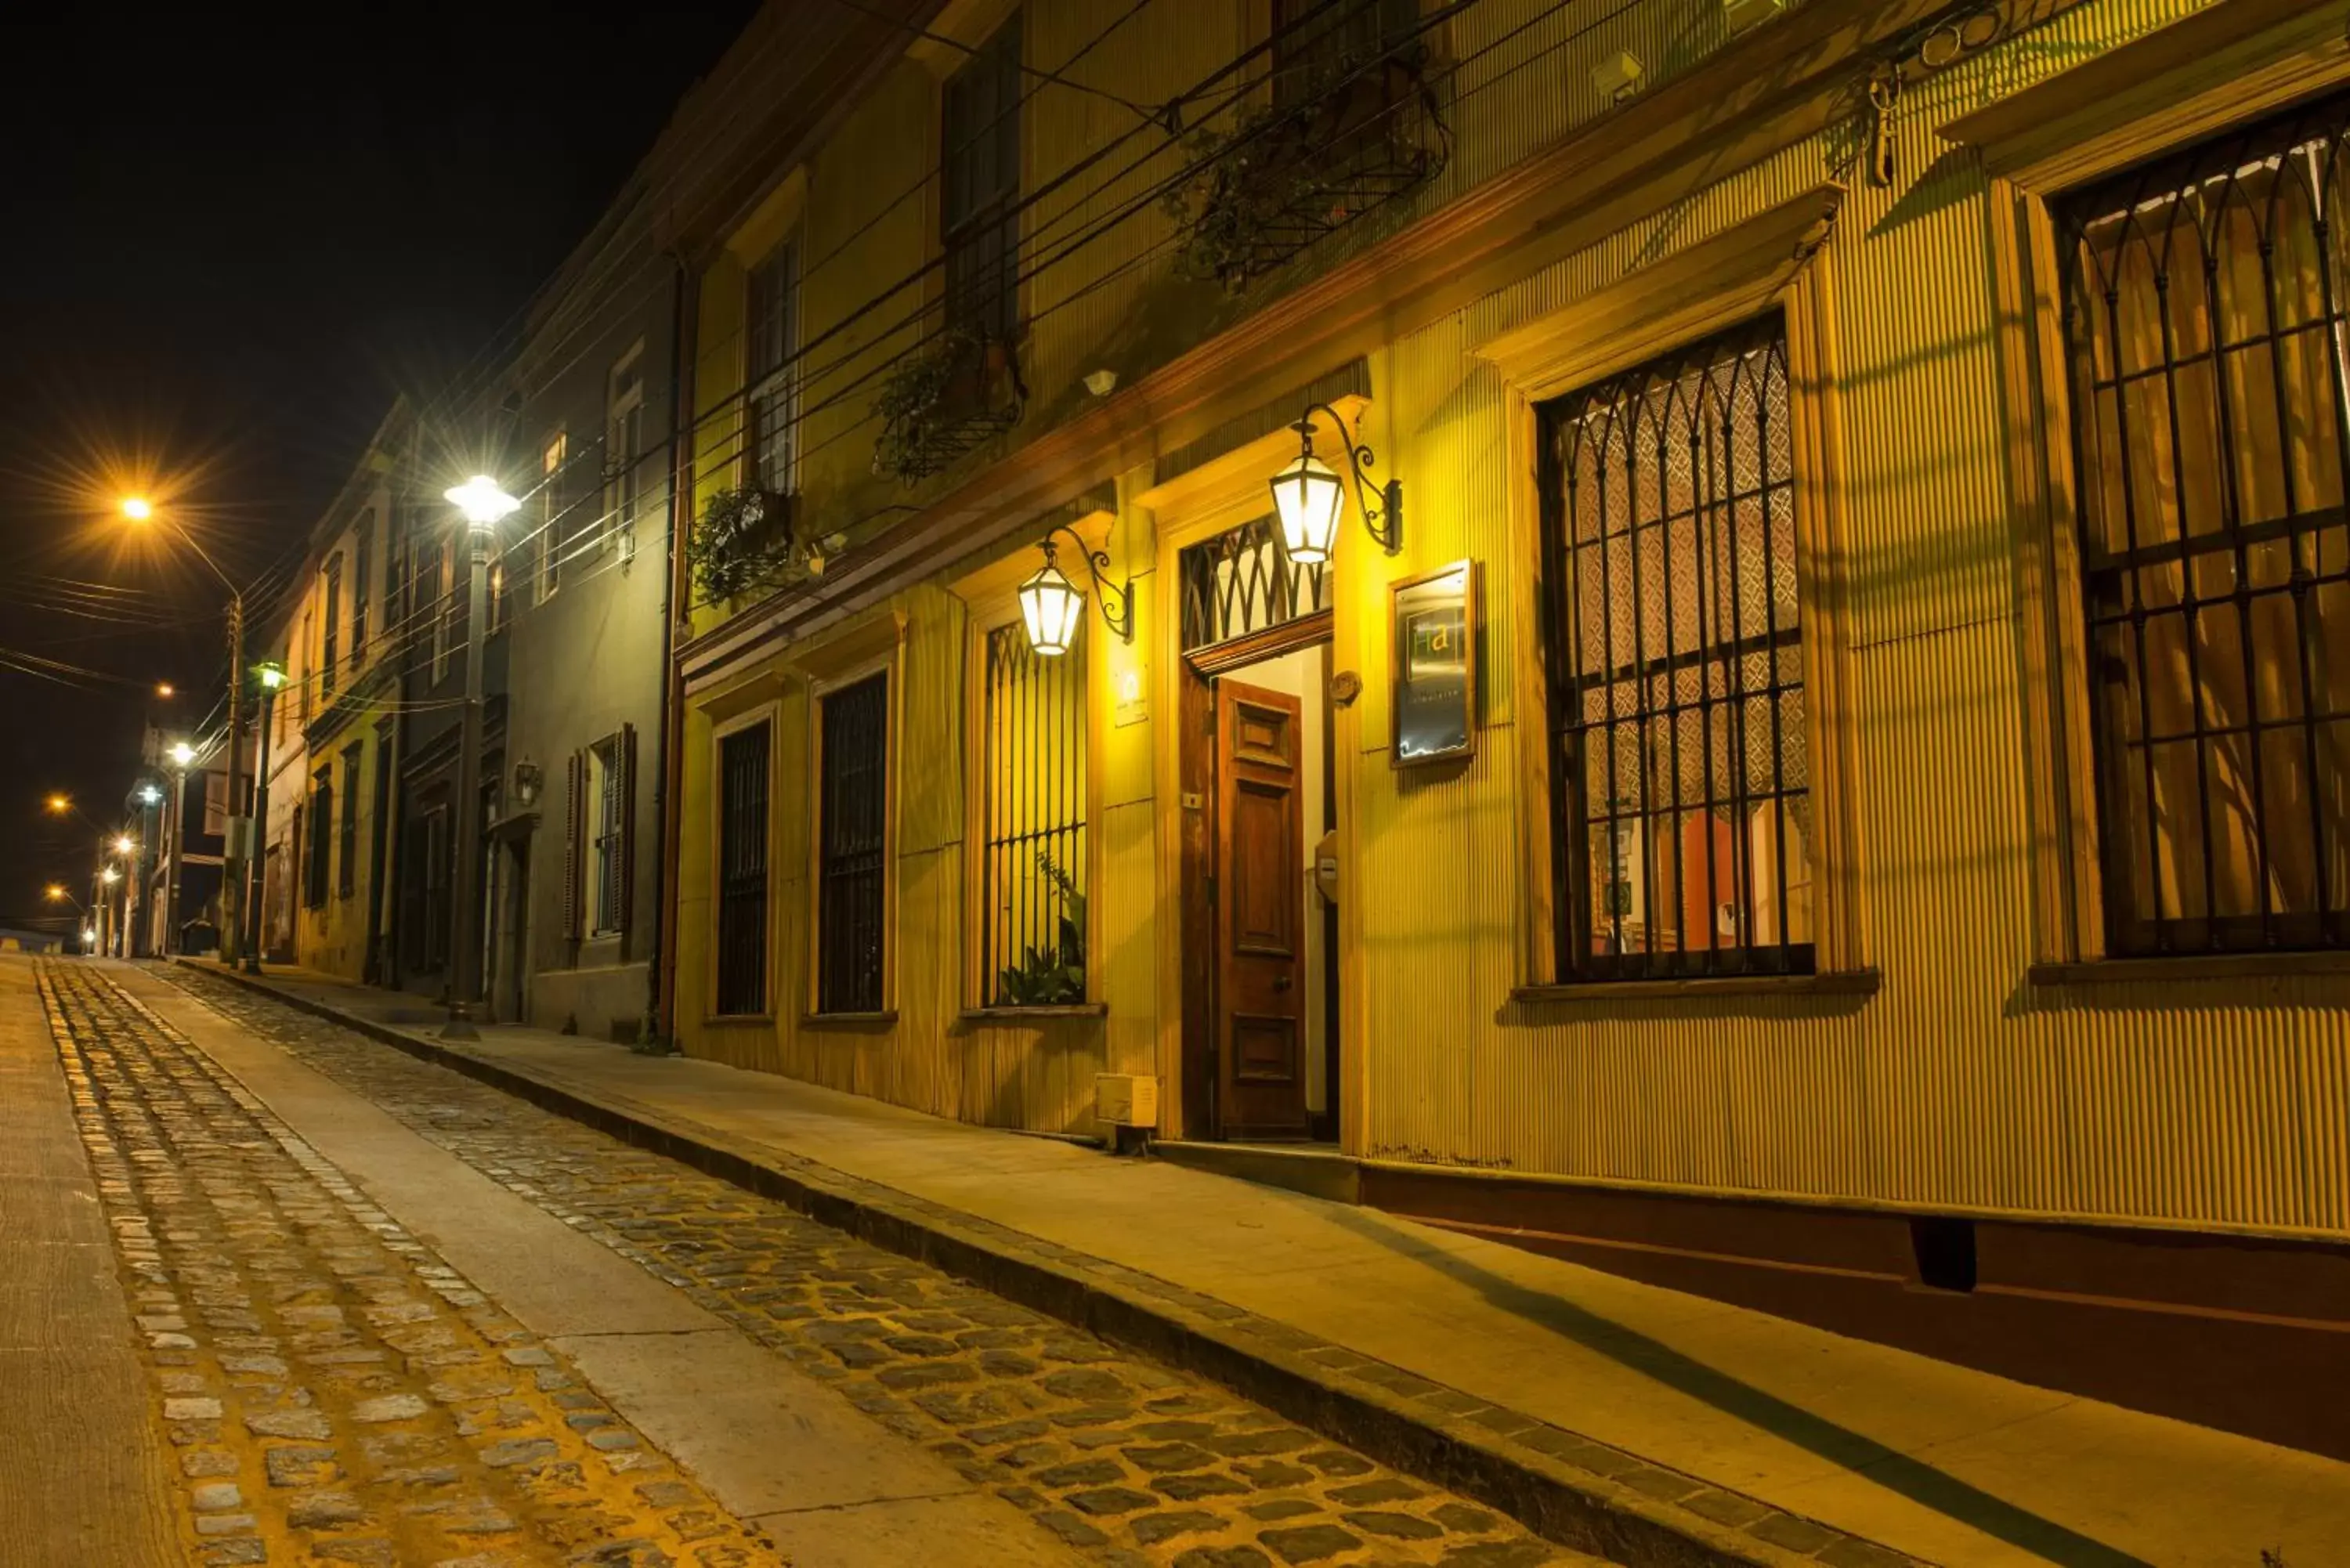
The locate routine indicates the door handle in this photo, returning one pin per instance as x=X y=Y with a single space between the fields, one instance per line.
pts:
x=1281 y=983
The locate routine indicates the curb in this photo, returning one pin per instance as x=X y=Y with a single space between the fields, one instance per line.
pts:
x=1563 y=1487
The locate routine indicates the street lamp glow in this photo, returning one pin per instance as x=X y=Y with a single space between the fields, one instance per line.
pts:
x=182 y=753
x=125 y=845
x=54 y=892
x=273 y=676
x=164 y=689
x=138 y=508
x=57 y=804
x=484 y=505
x=150 y=796
x=109 y=875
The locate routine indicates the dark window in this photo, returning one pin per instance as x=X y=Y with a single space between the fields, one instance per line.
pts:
x=1033 y=934
x=2204 y=316
x=1681 y=801
x=332 y=625
x=979 y=214
x=1317 y=45
x=347 y=866
x=438 y=866
x=361 y=564
x=322 y=843
x=742 y=872
x=774 y=305
x=854 y=800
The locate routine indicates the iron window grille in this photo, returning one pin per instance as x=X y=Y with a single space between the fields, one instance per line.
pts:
x=1241 y=581
x=1681 y=804
x=322 y=841
x=979 y=213
x=772 y=305
x=1033 y=872
x=851 y=894
x=347 y=866
x=2205 y=328
x=743 y=762
x=611 y=834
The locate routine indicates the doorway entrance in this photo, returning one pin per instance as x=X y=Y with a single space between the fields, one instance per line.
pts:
x=507 y=980
x=1261 y=1037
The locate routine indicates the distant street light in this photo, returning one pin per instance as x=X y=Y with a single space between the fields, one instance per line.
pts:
x=138 y=508
x=182 y=753
x=165 y=689
x=109 y=875
x=125 y=845
x=484 y=505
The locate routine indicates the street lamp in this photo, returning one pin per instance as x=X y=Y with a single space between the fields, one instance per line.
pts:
x=271 y=675
x=1052 y=607
x=484 y=505
x=176 y=810
x=1309 y=496
x=139 y=509
x=125 y=846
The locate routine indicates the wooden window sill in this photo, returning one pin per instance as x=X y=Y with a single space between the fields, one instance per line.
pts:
x=1034 y=1015
x=885 y=1019
x=1699 y=988
x=2195 y=967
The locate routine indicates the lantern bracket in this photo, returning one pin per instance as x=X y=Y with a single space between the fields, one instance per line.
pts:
x=1121 y=618
x=1381 y=504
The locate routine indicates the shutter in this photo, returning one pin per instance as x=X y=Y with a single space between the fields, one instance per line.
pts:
x=625 y=757
x=574 y=787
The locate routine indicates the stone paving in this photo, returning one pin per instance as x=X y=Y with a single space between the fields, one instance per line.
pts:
x=1131 y=1462
x=332 y=1391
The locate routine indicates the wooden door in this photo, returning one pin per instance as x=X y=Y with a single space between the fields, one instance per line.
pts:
x=1260 y=899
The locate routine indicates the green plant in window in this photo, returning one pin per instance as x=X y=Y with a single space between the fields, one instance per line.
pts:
x=1051 y=976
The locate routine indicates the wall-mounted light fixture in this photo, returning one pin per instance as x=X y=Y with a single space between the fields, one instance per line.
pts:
x=1310 y=497
x=1052 y=606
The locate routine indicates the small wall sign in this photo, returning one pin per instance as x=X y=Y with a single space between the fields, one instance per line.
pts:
x=1435 y=621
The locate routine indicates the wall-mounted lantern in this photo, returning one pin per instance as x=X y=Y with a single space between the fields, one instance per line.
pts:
x=1310 y=497
x=527 y=778
x=1053 y=606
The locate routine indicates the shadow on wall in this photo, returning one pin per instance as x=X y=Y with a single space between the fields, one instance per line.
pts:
x=1852 y=1451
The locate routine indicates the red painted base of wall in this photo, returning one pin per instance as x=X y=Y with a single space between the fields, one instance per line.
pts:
x=2248 y=1335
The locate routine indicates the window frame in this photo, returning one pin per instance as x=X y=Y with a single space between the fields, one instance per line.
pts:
x=956 y=232
x=347 y=823
x=2153 y=96
x=993 y=615
x=318 y=872
x=889 y=668
x=768 y=714
x=1779 y=259
x=607 y=838
x=775 y=383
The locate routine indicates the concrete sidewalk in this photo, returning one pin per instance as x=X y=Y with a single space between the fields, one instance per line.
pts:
x=1638 y=1422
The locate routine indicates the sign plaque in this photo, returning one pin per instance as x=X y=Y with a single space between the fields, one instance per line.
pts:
x=1434 y=617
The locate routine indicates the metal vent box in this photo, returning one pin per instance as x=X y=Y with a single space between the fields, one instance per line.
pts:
x=1126 y=1100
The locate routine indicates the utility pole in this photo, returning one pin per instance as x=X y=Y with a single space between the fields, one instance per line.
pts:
x=273 y=676
x=237 y=849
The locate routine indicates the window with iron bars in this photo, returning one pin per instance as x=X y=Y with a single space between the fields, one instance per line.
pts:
x=315 y=874
x=853 y=793
x=743 y=765
x=347 y=867
x=1241 y=581
x=1033 y=870
x=2205 y=326
x=773 y=305
x=978 y=216
x=1681 y=801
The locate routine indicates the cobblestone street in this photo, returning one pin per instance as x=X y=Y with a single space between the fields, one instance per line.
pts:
x=331 y=1390
x=329 y=1383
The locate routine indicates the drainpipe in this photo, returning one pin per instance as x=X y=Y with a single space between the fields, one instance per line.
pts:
x=660 y=1026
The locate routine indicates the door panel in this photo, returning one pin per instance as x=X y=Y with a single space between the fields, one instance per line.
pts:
x=1260 y=914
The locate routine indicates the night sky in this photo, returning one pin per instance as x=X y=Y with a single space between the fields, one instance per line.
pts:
x=225 y=244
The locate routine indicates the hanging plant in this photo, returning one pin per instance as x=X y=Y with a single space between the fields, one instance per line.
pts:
x=742 y=542
x=941 y=402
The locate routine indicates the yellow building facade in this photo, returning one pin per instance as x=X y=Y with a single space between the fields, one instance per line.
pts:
x=1835 y=796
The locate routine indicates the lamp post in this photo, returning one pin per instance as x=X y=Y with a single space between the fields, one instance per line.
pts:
x=272 y=675
x=484 y=507
x=139 y=509
x=108 y=925
x=175 y=814
x=149 y=796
